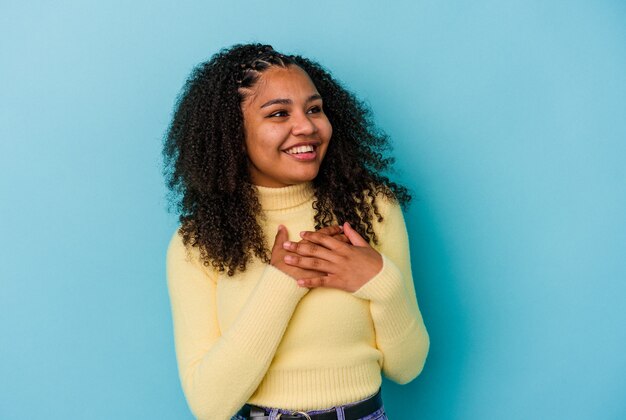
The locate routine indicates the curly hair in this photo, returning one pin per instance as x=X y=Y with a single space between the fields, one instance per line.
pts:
x=206 y=167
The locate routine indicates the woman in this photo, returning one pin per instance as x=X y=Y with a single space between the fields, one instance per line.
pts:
x=289 y=276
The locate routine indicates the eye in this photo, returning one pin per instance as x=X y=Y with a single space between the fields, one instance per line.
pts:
x=315 y=109
x=280 y=113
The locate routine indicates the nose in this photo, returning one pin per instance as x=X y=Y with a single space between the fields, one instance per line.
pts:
x=303 y=125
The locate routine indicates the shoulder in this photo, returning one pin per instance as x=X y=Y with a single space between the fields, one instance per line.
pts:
x=179 y=254
x=387 y=206
x=176 y=247
x=390 y=225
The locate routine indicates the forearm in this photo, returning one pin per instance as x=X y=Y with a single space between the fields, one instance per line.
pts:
x=222 y=379
x=400 y=332
x=220 y=370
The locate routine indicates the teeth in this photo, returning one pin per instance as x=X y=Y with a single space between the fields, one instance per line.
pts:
x=300 y=149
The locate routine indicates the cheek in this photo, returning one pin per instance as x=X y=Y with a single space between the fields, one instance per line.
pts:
x=327 y=130
x=270 y=137
x=263 y=146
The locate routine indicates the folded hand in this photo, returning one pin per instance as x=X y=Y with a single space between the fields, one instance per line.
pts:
x=345 y=266
x=279 y=252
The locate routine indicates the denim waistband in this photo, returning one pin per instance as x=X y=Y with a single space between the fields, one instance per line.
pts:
x=369 y=408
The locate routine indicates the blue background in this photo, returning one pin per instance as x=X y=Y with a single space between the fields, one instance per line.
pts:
x=509 y=124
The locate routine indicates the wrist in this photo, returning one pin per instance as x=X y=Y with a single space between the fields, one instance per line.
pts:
x=384 y=285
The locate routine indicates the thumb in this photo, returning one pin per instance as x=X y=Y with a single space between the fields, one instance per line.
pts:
x=353 y=236
x=281 y=236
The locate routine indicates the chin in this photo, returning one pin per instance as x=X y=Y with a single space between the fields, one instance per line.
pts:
x=299 y=181
x=307 y=178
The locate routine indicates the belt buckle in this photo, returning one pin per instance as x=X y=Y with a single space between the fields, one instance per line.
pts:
x=302 y=413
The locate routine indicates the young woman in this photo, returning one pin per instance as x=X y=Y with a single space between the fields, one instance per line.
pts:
x=289 y=276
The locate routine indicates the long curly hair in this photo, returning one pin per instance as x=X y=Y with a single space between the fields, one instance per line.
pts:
x=206 y=167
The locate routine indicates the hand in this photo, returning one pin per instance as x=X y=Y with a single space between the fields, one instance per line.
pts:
x=335 y=231
x=347 y=266
x=279 y=253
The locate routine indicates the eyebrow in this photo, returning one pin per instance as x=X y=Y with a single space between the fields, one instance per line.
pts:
x=289 y=101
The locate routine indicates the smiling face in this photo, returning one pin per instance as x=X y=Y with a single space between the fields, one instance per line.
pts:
x=286 y=130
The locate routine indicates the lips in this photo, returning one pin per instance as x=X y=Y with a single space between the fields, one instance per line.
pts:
x=300 y=149
x=303 y=151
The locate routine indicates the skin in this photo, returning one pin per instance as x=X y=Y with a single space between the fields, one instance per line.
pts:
x=279 y=253
x=296 y=117
x=282 y=110
x=346 y=266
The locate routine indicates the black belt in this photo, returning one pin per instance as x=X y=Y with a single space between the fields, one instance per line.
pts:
x=352 y=412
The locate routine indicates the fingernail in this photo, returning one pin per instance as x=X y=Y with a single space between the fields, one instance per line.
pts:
x=280 y=227
x=302 y=233
x=300 y=282
x=289 y=258
x=287 y=244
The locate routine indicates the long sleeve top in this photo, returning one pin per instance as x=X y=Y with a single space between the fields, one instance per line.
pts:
x=258 y=337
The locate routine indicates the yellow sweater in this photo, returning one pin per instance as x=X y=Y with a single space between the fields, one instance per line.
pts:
x=258 y=337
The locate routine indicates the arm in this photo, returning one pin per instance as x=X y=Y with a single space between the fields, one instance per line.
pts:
x=218 y=370
x=381 y=276
x=400 y=332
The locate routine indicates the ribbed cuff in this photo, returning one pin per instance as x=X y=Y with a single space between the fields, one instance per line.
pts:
x=384 y=286
x=391 y=306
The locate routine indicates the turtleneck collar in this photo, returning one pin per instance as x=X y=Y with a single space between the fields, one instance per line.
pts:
x=284 y=197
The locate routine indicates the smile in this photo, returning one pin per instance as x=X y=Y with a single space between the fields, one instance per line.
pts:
x=304 y=152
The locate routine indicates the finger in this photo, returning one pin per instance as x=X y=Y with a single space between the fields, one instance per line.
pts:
x=326 y=241
x=353 y=236
x=309 y=263
x=339 y=236
x=321 y=281
x=306 y=248
x=281 y=236
x=342 y=238
x=331 y=230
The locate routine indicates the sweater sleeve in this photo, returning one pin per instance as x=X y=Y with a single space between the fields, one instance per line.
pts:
x=220 y=370
x=400 y=332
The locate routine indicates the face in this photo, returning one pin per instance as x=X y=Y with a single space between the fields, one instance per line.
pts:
x=286 y=130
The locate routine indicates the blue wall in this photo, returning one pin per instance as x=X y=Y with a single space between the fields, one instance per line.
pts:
x=509 y=125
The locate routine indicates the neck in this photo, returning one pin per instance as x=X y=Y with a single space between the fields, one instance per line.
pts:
x=284 y=197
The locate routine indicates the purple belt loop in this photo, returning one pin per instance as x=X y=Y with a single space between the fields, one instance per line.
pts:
x=340 y=414
x=274 y=414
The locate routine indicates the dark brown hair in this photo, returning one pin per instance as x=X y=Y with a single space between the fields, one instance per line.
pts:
x=206 y=168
